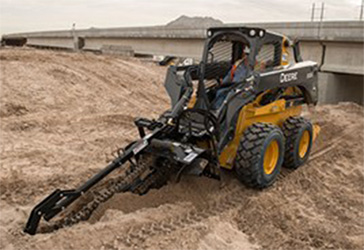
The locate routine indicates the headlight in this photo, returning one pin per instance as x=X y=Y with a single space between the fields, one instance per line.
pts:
x=252 y=33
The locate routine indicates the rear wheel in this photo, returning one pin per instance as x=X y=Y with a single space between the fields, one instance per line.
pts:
x=260 y=155
x=298 y=133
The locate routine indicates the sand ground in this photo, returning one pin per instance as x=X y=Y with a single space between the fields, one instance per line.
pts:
x=62 y=114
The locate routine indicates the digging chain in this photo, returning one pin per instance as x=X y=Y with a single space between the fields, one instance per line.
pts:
x=120 y=184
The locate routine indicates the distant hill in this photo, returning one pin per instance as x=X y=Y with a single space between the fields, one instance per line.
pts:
x=194 y=22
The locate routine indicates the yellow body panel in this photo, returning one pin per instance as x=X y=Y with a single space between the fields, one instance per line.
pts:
x=275 y=113
x=285 y=54
x=193 y=99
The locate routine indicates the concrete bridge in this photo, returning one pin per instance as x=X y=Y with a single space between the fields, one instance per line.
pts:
x=336 y=46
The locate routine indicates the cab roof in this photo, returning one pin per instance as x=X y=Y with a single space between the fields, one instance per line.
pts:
x=248 y=31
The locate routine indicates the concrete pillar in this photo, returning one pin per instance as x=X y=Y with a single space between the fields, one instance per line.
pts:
x=334 y=88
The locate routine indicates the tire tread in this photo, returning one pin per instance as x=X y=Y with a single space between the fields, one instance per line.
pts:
x=249 y=154
x=291 y=129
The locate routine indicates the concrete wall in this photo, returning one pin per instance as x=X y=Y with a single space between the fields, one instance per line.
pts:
x=51 y=42
x=153 y=46
x=332 y=30
x=311 y=51
x=344 y=58
x=328 y=31
x=334 y=88
x=118 y=50
x=335 y=57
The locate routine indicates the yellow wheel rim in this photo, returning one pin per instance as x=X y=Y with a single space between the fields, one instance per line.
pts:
x=271 y=156
x=304 y=143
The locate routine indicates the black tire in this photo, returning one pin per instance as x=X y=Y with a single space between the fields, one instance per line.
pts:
x=294 y=128
x=249 y=162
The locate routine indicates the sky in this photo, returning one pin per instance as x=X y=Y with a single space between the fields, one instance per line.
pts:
x=38 y=15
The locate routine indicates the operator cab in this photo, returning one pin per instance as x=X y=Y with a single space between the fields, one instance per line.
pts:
x=232 y=55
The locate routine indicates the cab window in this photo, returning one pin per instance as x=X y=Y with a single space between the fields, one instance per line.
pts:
x=268 y=57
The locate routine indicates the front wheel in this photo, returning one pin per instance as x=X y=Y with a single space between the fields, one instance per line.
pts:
x=260 y=155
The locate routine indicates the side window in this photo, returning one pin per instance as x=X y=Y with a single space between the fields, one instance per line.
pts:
x=268 y=57
x=265 y=59
x=220 y=52
x=218 y=61
x=227 y=60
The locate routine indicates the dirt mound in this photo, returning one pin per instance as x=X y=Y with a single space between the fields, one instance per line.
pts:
x=62 y=112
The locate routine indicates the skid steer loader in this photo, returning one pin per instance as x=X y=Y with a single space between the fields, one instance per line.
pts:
x=238 y=109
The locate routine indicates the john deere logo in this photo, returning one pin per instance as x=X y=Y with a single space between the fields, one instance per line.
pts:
x=288 y=77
